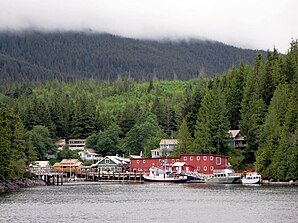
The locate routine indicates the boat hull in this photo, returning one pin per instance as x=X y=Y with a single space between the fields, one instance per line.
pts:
x=224 y=180
x=164 y=180
x=251 y=181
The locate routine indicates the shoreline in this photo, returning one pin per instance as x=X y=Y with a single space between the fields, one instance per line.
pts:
x=14 y=185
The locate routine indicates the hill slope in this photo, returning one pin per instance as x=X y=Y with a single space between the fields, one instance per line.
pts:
x=42 y=56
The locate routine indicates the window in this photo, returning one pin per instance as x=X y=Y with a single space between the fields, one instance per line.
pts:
x=205 y=168
x=191 y=158
x=107 y=161
x=198 y=169
x=218 y=160
x=177 y=160
x=173 y=161
x=185 y=158
x=144 y=161
x=198 y=157
x=211 y=157
x=160 y=160
x=205 y=158
x=211 y=168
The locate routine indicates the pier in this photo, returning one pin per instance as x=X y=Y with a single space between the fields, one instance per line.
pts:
x=130 y=177
x=58 y=178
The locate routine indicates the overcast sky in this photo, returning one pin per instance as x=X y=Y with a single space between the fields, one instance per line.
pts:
x=257 y=24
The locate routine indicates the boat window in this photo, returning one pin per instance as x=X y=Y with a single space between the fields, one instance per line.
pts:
x=160 y=160
x=191 y=158
x=144 y=161
x=211 y=168
x=218 y=160
x=205 y=168
x=198 y=157
x=198 y=168
x=211 y=157
x=205 y=157
x=138 y=161
x=185 y=158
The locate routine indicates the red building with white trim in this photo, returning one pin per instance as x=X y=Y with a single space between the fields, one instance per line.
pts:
x=201 y=163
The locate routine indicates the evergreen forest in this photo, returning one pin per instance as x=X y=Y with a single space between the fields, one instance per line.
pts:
x=36 y=56
x=127 y=115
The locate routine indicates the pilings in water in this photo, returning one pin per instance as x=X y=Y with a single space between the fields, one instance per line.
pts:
x=115 y=177
x=52 y=178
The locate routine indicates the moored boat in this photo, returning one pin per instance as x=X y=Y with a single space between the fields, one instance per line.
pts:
x=224 y=176
x=158 y=175
x=251 y=178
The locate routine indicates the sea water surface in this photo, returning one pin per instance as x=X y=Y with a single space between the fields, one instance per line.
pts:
x=150 y=202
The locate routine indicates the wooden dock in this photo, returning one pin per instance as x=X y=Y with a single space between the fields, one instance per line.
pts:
x=57 y=178
x=130 y=177
x=51 y=178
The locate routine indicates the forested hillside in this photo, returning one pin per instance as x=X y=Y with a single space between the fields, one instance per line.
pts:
x=44 y=56
x=130 y=117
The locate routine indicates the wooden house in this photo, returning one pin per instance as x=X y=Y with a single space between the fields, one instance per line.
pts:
x=166 y=148
x=68 y=166
x=238 y=140
x=112 y=164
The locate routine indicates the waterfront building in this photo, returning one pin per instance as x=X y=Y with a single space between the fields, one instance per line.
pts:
x=68 y=166
x=112 y=164
x=201 y=163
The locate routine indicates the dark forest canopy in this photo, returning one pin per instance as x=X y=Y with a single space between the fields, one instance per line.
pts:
x=128 y=117
x=71 y=55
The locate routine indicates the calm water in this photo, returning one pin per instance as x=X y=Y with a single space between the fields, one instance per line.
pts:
x=151 y=202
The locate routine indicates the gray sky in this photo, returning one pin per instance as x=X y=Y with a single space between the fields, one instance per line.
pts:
x=257 y=24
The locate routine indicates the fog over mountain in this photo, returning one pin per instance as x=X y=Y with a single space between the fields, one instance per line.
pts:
x=248 y=24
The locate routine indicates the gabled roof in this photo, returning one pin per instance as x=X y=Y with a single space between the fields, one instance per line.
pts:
x=234 y=133
x=69 y=162
x=115 y=160
x=168 y=142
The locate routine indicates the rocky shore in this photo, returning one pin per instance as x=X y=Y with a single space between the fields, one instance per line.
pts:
x=12 y=185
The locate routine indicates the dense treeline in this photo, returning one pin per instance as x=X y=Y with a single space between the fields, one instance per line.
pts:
x=129 y=117
x=44 y=56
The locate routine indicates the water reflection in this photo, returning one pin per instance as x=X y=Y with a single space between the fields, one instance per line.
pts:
x=150 y=202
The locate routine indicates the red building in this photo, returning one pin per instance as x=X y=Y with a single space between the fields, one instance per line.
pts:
x=201 y=163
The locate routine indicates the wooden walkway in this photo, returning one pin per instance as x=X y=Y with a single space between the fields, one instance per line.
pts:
x=57 y=178
x=112 y=177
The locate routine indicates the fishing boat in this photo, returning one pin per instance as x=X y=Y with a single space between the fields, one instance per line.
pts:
x=224 y=176
x=251 y=178
x=159 y=175
x=196 y=178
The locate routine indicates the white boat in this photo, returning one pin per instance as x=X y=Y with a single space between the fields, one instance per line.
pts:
x=224 y=176
x=251 y=178
x=158 y=175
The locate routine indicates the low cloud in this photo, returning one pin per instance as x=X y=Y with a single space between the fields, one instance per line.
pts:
x=247 y=23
